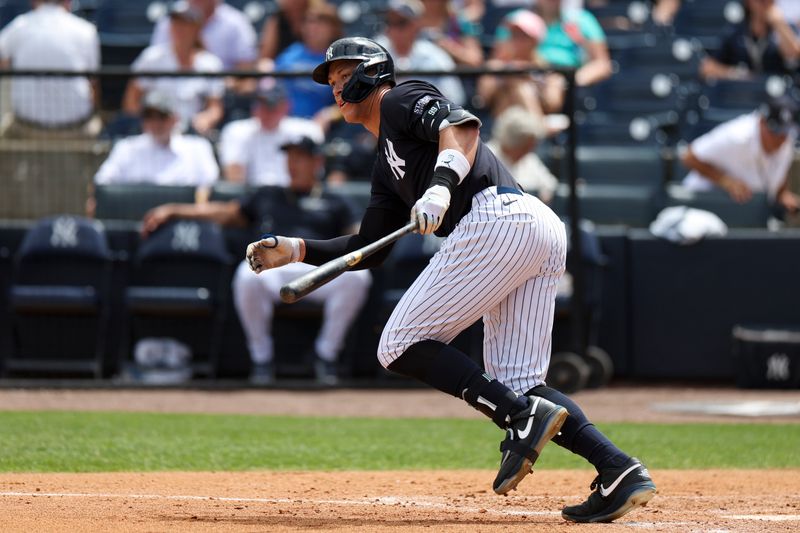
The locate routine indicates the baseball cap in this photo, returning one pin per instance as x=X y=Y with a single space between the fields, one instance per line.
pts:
x=183 y=10
x=271 y=93
x=305 y=142
x=781 y=113
x=409 y=9
x=517 y=123
x=159 y=101
x=529 y=22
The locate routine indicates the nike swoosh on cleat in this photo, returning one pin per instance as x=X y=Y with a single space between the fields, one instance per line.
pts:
x=524 y=433
x=604 y=492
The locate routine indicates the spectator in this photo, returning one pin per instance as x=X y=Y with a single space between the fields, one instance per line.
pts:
x=227 y=33
x=199 y=100
x=751 y=153
x=663 y=11
x=321 y=26
x=763 y=43
x=518 y=36
x=452 y=32
x=515 y=135
x=250 y=148
x=574 y=39
x=282 y=29
x=305 y=210
x=50 y=38
x=160 y=155
x=411 y=52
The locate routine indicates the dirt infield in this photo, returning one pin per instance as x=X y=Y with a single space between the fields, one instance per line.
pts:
x=459 y=501
x=462 y=501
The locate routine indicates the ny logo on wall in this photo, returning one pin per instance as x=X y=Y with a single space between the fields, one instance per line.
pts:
x=778 y=367
x=186 y=237
x=65 y=233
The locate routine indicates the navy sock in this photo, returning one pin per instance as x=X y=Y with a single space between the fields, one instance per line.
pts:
x=580 y=436
x=450 y=370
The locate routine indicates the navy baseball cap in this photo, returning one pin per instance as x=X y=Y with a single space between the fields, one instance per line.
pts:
x=782 y=113
x=304 y=142
x=271 y=94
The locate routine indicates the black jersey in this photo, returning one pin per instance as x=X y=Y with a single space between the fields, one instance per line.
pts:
x=407 y=150
x=281 y=211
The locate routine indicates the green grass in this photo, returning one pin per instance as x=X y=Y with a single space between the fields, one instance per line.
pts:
x=93 y=442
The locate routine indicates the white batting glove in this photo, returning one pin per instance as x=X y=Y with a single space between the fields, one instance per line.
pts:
x=272 y=252
x=430 y=209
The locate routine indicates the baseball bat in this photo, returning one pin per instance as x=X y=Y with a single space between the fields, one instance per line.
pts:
x=299 y=287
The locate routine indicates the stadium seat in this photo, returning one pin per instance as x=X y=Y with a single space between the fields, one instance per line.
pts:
x=355 y=193
x=617 y=165
x=628 y=205
x=752 y=214
x=180 y=282
x=256 y=11
x=130 y=201
x=59 y=297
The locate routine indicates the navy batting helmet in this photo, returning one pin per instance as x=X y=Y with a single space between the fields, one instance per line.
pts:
x=376 y=66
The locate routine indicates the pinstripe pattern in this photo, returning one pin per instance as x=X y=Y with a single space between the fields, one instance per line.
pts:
x=502 y=263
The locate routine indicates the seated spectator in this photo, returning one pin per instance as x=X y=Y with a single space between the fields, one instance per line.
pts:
x=50 y=38
x=751 y=153
x=321 y=26
x=763 y=43
x=304 y=210
x=281 y=29
x=199 y=100
x=227 y=33
x=518 y=36
x=412 y=52
x=249 y=149
x=574 y=39
x=515 y=135
x=453 y=32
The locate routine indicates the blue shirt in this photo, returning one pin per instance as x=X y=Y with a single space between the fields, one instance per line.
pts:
x=306 y=96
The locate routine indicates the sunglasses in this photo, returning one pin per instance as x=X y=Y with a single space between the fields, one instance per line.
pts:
x=397 y=23
x=152 y=114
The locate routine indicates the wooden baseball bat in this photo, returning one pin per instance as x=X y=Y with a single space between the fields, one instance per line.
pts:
x=299 y=287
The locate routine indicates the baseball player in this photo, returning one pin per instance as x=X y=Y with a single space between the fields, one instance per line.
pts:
x=501 y=261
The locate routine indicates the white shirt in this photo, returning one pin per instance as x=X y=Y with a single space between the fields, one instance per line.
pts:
x=245 y=142
x=228 y=34
x=188 y=160
x=529 y=171
x=190 y=93
x=735 y=148
x=791 y=10
x=51 y=38
x=426 y=55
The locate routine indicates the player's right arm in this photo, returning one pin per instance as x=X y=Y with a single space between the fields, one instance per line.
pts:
x=223 y=213
x=736 y=188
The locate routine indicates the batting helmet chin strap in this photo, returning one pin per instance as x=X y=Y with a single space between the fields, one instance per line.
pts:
x=361 y=83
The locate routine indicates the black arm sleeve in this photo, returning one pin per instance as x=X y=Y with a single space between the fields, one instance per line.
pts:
x=375 y=224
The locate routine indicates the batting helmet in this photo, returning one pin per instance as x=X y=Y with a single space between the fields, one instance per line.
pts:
x=376 y=66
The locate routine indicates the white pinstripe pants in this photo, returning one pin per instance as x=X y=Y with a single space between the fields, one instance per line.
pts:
x=502 y=263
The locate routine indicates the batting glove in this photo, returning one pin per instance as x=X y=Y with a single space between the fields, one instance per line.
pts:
x=272 y=252
x=429 y=210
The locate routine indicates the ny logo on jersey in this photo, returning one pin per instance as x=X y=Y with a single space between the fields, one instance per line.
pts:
x=397 y=165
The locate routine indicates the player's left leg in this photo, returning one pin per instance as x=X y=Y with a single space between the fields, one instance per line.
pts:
x=622 y=483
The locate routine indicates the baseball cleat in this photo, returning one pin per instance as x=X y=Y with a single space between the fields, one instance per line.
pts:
x=528 y=432
x=617 y=491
